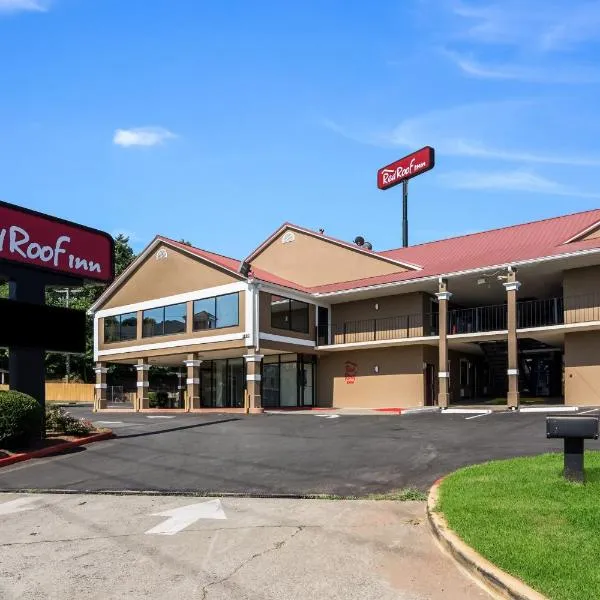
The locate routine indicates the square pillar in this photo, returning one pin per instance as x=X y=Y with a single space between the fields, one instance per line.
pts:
x=181 y=387
x=100 y=399
x=192 y=381
x=253 y=380
x=512 y=287
x=443 y=297
x=142 y=400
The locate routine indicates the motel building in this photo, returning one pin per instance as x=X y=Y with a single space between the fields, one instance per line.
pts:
x=501 y=317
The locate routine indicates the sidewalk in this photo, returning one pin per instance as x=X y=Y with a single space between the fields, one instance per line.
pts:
x=101 y=547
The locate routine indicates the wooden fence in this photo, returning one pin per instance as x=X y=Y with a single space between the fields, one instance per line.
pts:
x=58 y=391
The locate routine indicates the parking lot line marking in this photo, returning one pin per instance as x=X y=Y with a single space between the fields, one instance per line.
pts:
x=489 y=412
x=535 y=409
x=462 y=411
x=20 y=505
x=184 y=516
x=160 y=416
x=586 y=412
x=328 y=416
x=109 y=422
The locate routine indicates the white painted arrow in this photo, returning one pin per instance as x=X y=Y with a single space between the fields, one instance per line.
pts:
x=184 y=516
x=328 y=416
x=20 y=504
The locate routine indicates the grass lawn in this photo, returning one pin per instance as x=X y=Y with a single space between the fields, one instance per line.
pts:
x=525 y=518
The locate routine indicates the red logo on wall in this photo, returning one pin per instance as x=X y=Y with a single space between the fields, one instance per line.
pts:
x=37 y=240
x=351 y=369
x=414 y=164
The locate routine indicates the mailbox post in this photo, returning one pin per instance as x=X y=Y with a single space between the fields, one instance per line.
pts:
x=574 y=430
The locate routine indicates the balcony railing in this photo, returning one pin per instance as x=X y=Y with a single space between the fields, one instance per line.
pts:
x=380 y=329
x=540 y=313
x=480 y=319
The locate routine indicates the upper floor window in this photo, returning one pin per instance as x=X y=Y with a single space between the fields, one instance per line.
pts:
x=217 y=312
x=120 y=328
x=165 y=320
x=289 y=314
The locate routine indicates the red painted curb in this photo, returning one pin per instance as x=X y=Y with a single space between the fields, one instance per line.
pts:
x=390 y=410
x=15 y=458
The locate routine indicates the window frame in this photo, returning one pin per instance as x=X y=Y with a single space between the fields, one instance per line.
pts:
x=216 y=317
x=289 y=314
x=164 y=311
x=119 y=319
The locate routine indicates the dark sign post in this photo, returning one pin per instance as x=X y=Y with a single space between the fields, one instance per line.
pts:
x=37 y=251
x=400 y=172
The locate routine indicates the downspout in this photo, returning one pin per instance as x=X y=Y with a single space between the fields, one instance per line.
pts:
x=256 y=317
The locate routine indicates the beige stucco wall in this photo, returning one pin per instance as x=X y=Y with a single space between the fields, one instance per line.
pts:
x=387 y=317
x=311 y=261
x=264 y=308
x=581 y=291
x=582 y=368
x=399 y=382
x=176 y=274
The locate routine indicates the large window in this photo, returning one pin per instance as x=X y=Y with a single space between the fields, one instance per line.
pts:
x=216 y=312
x=166 y=320
x=222 y=383
x=120 y=328
x=288 y=380
x=289 y=314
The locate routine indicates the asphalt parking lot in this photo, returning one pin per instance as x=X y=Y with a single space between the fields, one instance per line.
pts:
x=281 y=454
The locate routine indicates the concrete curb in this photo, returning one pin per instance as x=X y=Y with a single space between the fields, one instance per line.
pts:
x=57 y=449
x=496 y=582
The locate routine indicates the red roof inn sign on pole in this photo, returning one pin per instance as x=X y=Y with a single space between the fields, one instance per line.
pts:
x=36 y=240
x=400 y=172
x=39 y=251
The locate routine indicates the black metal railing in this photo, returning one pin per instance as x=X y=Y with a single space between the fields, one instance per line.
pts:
x=530 y=314
x=478 y=319
x=379 y=329
x=540 y=313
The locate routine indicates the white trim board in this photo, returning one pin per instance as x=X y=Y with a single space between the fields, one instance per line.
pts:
x=384 y=343
x=271 y=337
x=219 y=290
x=174 y=344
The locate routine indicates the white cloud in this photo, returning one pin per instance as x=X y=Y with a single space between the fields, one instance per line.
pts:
x=515 y=181
x=546 y=26
x=10 y=6
x=142 y=136
x=535 y=74
x=483 y=130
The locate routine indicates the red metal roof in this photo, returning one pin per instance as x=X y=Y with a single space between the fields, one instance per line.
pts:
x=512 y=244
x=517 y=243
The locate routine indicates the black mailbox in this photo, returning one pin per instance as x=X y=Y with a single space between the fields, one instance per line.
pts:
x=573 y=430
x=585 y=428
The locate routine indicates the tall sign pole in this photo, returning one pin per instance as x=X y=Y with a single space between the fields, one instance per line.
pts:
x=400 y=172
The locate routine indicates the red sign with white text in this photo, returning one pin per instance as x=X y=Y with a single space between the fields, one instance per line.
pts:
x=33 y=239
x=414 y=164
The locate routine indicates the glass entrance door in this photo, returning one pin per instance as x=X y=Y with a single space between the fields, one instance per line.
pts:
x=306 y=384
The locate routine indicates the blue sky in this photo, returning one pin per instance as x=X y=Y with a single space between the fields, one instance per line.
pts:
x=217 y=121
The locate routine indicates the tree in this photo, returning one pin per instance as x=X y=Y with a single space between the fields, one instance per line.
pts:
x=124 y=254
x=82 y=366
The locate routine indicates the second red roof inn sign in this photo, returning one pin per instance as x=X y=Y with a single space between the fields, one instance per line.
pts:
x=401 y=171
x=39 y=251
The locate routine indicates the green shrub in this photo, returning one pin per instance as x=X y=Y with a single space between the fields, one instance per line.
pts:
x=152 y=400
x=21 y=419
x=59 y=420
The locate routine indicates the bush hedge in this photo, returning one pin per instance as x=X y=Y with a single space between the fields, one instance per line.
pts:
x=59 y=420
x=21 y=419
x=158 y=399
